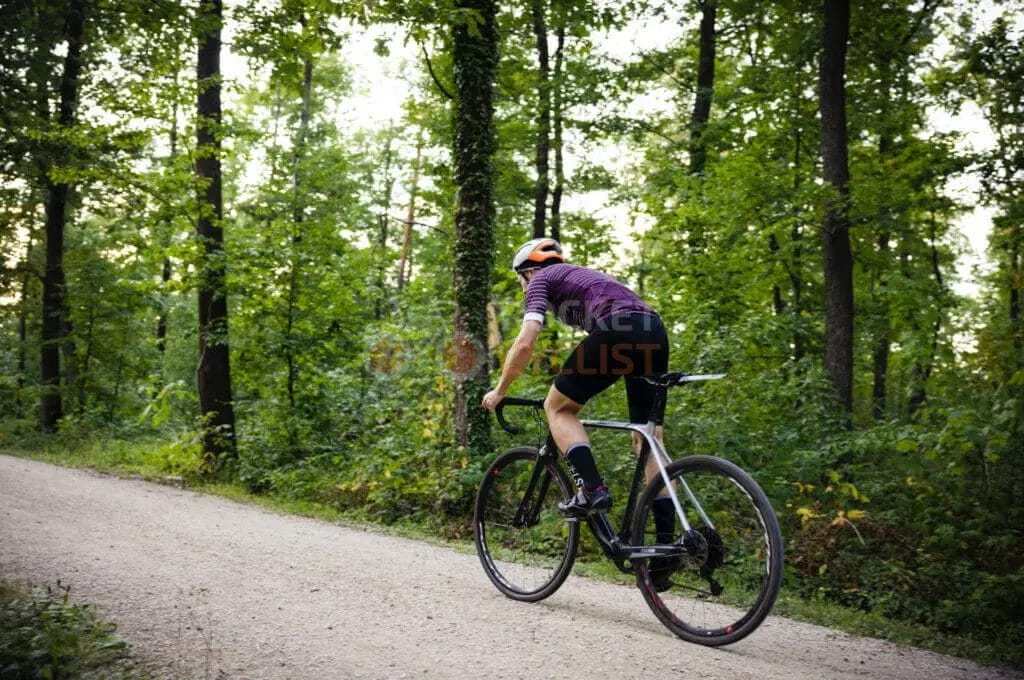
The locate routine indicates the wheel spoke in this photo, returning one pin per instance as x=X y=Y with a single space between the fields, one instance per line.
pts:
x=729 y=577
x=525 y=560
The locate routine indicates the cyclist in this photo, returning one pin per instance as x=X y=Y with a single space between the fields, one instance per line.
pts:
x=625 y=338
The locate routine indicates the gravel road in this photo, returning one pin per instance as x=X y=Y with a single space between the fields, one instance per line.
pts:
x=207 y=588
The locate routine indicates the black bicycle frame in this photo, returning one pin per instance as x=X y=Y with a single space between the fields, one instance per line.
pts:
x=613 y=544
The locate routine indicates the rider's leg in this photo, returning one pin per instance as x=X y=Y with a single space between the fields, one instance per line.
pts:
x=662 y=509
x=641 y=396
x=651 y=469
x=571 y=438
x=563 y=420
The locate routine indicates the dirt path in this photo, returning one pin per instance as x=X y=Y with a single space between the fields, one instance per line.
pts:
x=204 y=587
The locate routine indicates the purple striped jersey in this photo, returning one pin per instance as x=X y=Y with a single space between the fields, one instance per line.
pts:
x=578 y=296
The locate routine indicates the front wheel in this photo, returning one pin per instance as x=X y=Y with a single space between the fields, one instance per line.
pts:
x=726 y=580
x=526 y=546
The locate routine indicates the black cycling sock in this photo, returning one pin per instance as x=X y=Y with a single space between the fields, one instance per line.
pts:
x=664 y=520
x=583 y=468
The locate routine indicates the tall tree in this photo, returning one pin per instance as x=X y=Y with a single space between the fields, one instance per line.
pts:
x=837 y=256
x=26 y=280
x=993 y=76
x=705 y=86
x=558 y=113
x=213 y=373
x=165 y=270
x=543 y=144
x=57 y=195
x=475 y=63
x=298 y=228
x=886 y=61
x=383 y=217
x=410 y=215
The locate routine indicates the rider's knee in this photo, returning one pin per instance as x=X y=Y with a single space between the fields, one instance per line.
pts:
x=553 y=407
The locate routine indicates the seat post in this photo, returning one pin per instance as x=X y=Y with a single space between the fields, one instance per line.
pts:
x=660 y=400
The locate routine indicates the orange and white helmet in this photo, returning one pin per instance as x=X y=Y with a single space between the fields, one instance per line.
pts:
x=537 y=253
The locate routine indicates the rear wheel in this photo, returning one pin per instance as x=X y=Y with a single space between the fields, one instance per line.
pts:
x=526 y=546
x=725 y=583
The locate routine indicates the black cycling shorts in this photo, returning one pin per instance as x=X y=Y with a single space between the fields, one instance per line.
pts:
x=625 y=345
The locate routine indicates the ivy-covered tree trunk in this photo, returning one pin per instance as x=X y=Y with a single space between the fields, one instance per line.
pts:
x=475 y=62
x=213 y=374
x=543 y=146
x=838 y=260
x=54 y=321
x=705 y=86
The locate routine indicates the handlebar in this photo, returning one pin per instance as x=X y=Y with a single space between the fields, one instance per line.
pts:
x=514 y=401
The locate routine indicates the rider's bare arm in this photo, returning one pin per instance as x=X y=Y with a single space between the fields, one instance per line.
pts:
x=519 y=355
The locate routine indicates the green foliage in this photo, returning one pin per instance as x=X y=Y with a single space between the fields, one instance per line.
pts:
x=344 y=381
x=45 y=635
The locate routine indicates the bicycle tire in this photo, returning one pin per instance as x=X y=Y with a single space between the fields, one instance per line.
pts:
x=740 y=556
x=528 y=562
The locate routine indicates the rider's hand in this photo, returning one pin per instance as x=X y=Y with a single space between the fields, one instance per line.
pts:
x=492 y=399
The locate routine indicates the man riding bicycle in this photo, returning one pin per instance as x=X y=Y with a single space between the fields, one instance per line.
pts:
x=625 y=338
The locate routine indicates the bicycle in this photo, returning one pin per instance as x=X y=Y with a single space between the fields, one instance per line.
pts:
x=712 y=583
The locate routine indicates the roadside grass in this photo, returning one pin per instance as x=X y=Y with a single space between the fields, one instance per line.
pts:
x=169 y=463
x=45 y=635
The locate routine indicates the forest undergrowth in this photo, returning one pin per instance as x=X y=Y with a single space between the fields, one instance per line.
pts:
x=951 y=582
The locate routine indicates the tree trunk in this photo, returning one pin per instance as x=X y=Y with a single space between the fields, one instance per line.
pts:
x=557 y=104
x=778 y=304
x=298 y=221
x=797 y=286
x=118 y=375
x=54 y=322
x=165 y=273
x=540 y=199
x=213 y=374
x=922 y=372
x=1015 y=283
x=410 y=215
x=87 y=359
x=838 y=260
x=380 y=305
x=880 y=356
x=881 y=353
x=26 y=278
x=705 y=87
x=475 y=61
x=161 y=321
x=796 y=265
